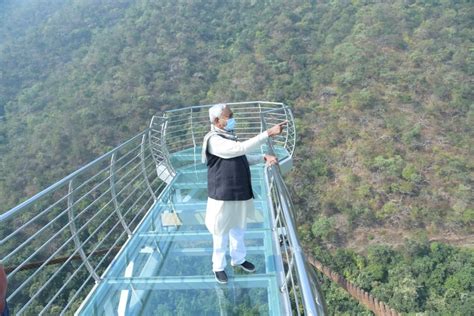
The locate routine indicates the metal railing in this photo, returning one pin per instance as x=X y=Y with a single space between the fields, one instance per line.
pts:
x=88 y=215
x=186 y=127
x=57 y=244
x=299 y=280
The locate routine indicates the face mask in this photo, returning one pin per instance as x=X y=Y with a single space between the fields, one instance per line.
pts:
x=230 y=125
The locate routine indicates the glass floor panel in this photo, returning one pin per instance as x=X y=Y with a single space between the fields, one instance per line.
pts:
x=165 y=268
x=192 y=217
x=247 y=296
x=186 y=254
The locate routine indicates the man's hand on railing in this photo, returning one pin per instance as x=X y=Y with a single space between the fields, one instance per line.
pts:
x=270 y=160
x=277 y=129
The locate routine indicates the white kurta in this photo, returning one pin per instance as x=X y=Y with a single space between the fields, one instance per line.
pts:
x=221 y=216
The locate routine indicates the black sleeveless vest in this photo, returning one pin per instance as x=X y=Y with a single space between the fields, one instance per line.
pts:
x=228 y=179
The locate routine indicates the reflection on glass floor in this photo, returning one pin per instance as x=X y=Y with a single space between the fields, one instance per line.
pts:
x=165 y=268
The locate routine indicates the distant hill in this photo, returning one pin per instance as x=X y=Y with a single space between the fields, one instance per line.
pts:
x=382 y=93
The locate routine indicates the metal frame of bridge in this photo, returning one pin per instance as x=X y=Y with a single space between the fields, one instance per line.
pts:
x=98 y=242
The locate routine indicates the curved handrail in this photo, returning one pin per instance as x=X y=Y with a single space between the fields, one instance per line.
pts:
x=185 y=131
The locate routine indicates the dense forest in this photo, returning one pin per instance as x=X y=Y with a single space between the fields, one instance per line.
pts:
x=382 y=93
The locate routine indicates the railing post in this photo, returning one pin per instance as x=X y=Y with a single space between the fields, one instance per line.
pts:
x=72 y=226
x=288 y=128
x=192 y=129
x=145 y=174
x=165 y=148
x=261 y=117
x=114 y=196
x=194 y=140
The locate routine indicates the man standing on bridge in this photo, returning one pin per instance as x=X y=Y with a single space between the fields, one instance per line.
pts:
x=230 y=195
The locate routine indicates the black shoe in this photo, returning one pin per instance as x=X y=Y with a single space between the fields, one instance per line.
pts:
x=247 y=266
x=221 y=277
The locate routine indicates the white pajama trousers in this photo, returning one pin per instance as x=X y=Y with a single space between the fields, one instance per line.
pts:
x=236 y=248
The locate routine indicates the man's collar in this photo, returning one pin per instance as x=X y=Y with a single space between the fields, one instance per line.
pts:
x=223 y=132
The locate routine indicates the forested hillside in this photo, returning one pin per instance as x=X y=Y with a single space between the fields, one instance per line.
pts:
x=382 y=93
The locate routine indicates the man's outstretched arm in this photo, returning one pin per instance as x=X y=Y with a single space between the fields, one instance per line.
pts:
x=226 y=148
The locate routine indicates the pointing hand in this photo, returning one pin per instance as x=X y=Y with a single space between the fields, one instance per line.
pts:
x=277 y=129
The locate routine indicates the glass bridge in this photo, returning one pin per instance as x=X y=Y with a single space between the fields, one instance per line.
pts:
x=125 y=234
